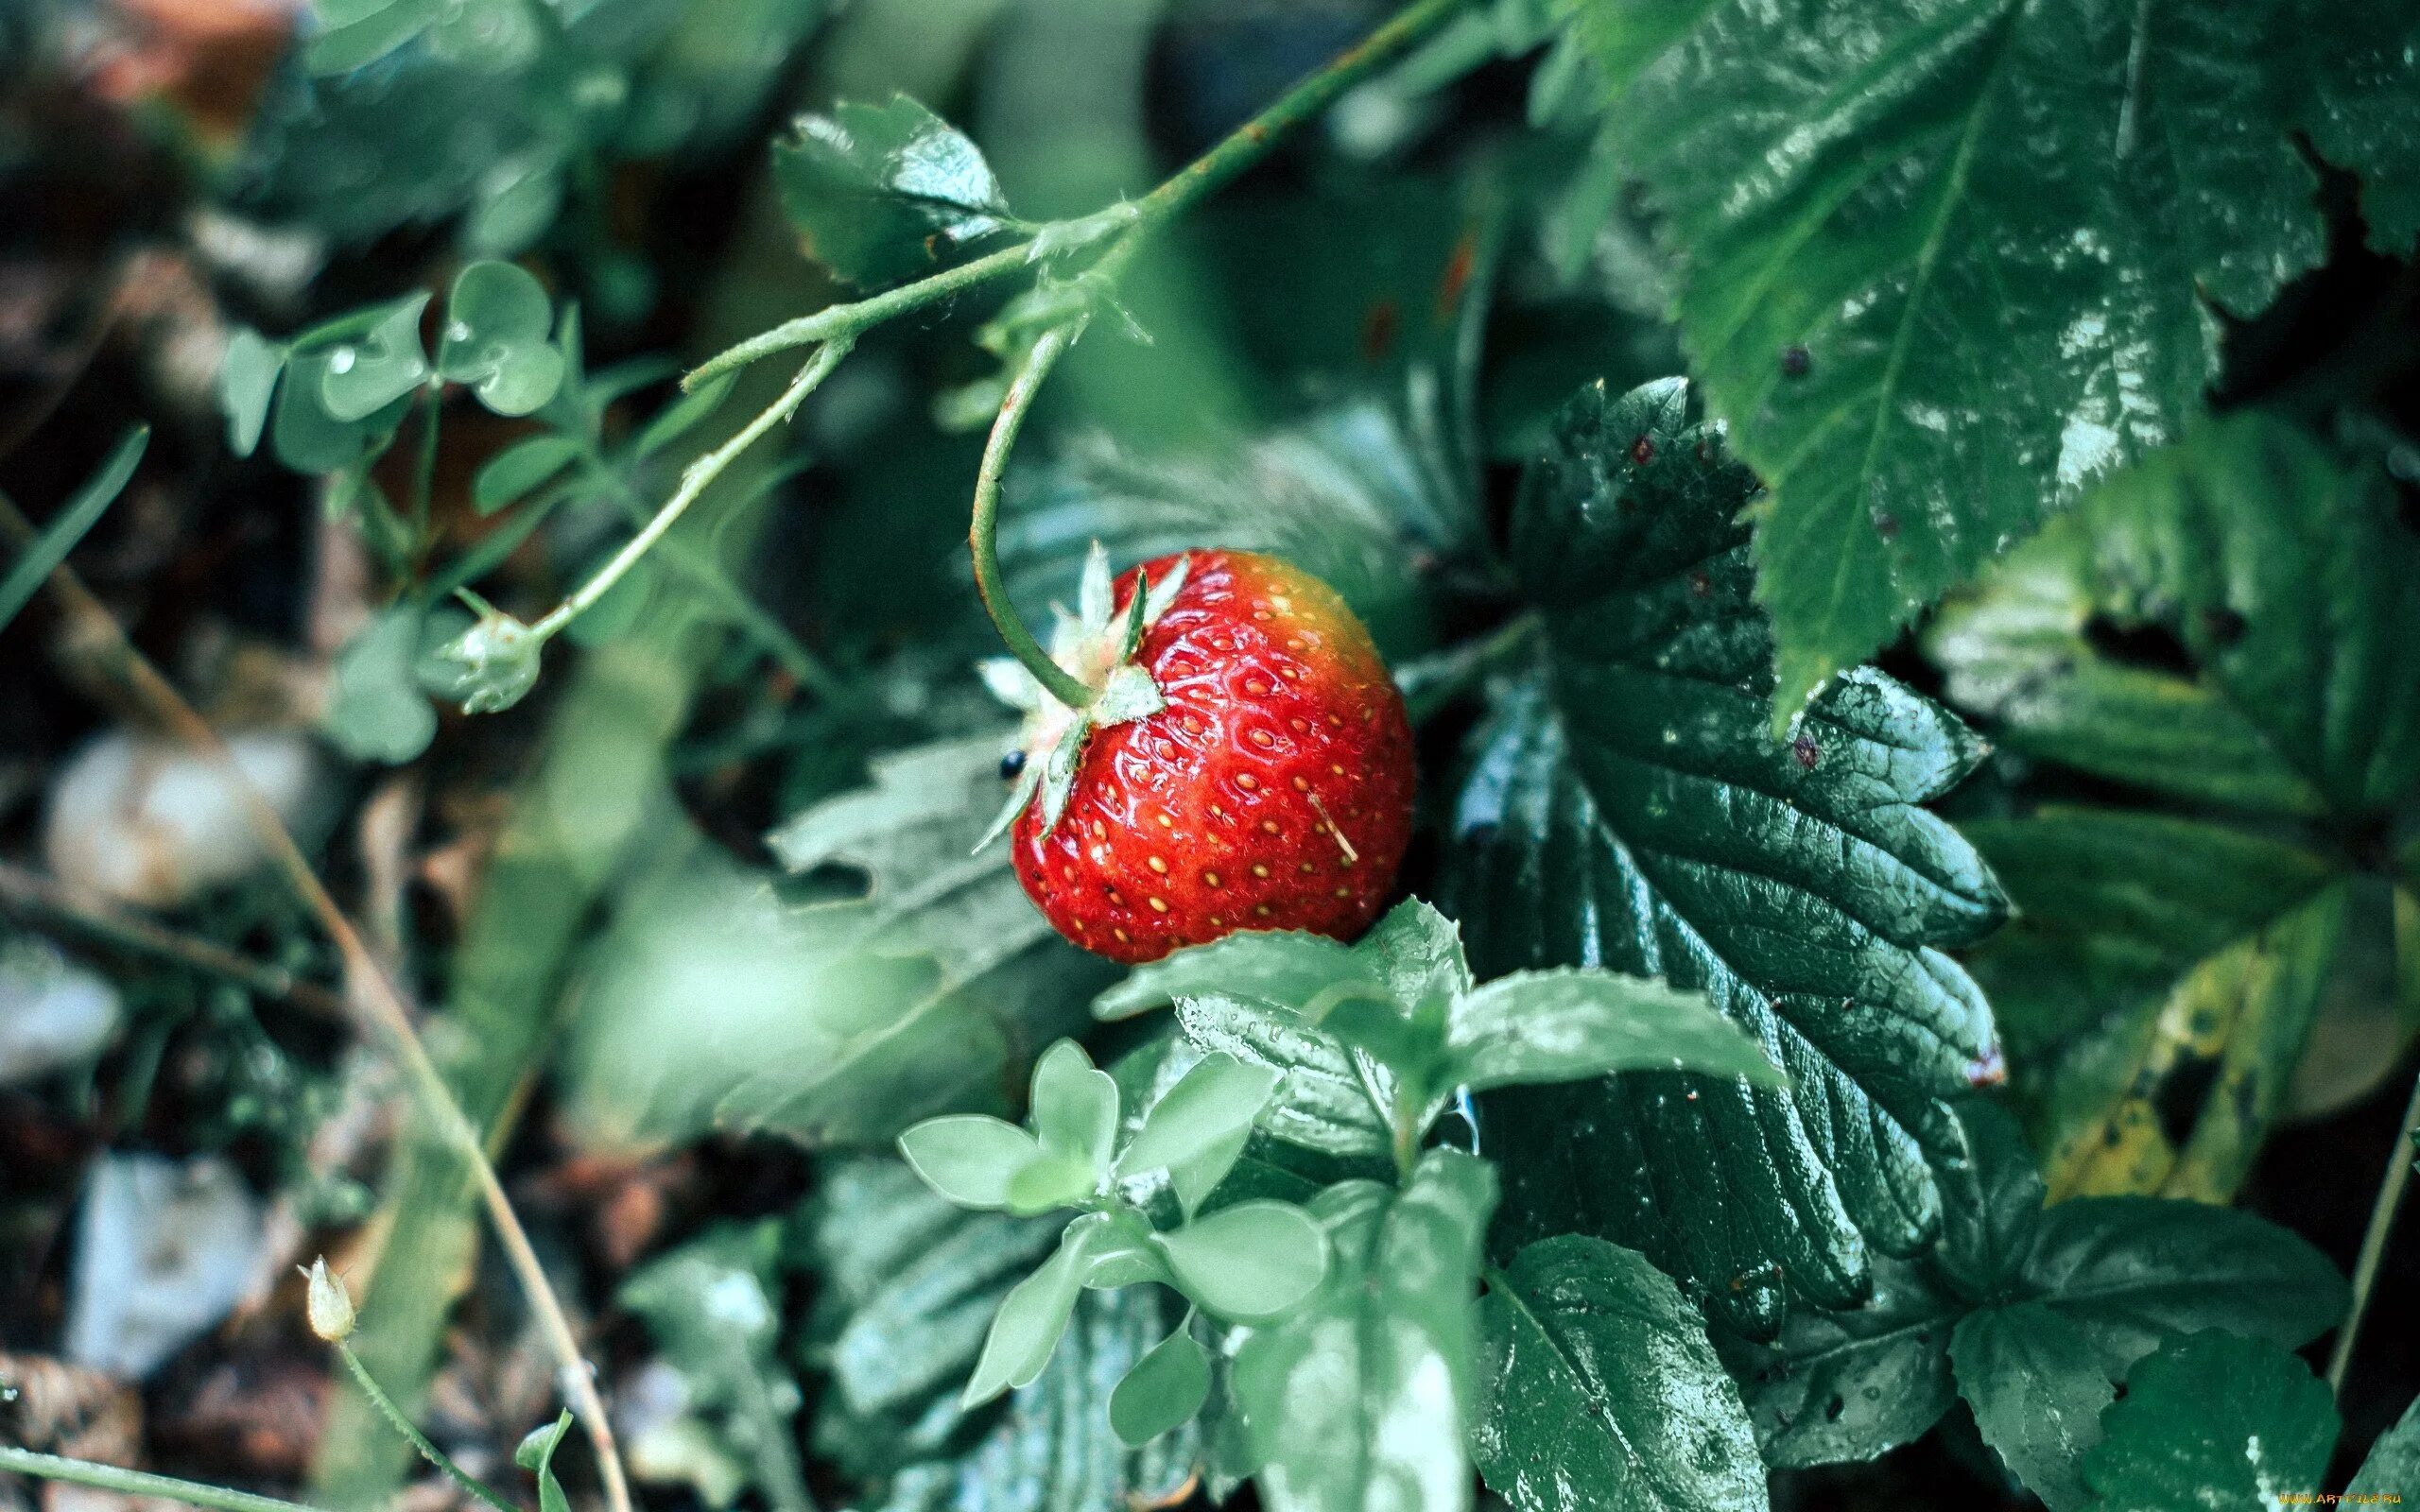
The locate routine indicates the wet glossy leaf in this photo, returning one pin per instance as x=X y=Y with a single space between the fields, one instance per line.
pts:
x=2394 y=1461
x=497 y=319
x=2212 y=1423
x=2034 y=1376
x=359 y=377
x=1602 y=1390
x=1355 y=1401
x=1946 y=260
x=883 y=192
x=1629 y=807
x=2117 y=1277
x=2232 y=626
x=1326 y=1100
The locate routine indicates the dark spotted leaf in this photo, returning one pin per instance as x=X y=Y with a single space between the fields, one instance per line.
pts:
x=1628 y=806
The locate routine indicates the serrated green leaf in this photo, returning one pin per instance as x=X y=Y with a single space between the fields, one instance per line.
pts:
x=1571 y=1026
x=2213 y=1424
x=1248 y=1261
x=1628 y=808
x=2121 y=1275
x=1331 y=1100
x=2155 y=958
x=1162 y=1391
x=971 y=1159
x=1602 y=1390
x=2230 y=625
x=883 y=192
x=1355 y=1401
x=991 y=977
x=2394 y=1461
x=2034 y=1380
x=518 y=469
x=1944 y=260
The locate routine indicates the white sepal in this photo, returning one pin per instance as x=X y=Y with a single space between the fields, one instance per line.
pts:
x=1130 y=693
x=1010 y=683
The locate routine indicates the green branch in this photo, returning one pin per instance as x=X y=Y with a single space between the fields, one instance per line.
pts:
x=404 y=1426
x=982 y=536
x=2374 y=1241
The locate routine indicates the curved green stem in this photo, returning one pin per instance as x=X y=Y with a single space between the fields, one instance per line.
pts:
x=136 y=1482
x=1247 y=145
x=2365 y=1268
x=404 y=1426
x=694 y=482
x=982 y=536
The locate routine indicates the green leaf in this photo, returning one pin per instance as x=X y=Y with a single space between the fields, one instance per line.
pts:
x=536 y=1454
x=1209 y=1107
x=1162 y=1391
x=1274 y=966
x=911 y=1282
x=2394 y=1461
x=1602 y=1390
x=2118 y=1276
x=74 y=521
x=971 y=1159
x=2157 y=959
x=990 y=977
x=1357 y=495
x=519 y=468
x=1355 y=1401
x=247 y=383
x=1250 y=1262
x=1570 y=1025
x=305 y=437
x=2211 y=1423
x=497 y=319
x=2034 y=1379
x=1628 y=808
x=1054 y=1449
x=1946 y=260
x=883 y=192
x=356 y=36
x=376 y=710
x=1330 y=1099
x=1075 y=1108
x=683 y=415
x=2234 y=626
x=358 y=378
x=1034 y=1316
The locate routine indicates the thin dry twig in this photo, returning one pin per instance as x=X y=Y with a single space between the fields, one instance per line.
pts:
x=372 y=994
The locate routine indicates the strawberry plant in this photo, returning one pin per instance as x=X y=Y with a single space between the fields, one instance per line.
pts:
x=1061 y=757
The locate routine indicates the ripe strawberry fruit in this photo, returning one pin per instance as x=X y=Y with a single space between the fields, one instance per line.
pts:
x=1262 y=779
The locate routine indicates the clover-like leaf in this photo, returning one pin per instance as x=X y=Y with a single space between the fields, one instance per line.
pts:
x=376 y=710
x=247 y=383
x=1250 y=1260
x=1162 y=1391
x=497 y=319
x=971 y=1159
x=359 y=377
x=880 y=192
x=1628 y=807
x=1211 y=1104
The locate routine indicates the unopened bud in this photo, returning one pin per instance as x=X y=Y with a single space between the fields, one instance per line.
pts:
x=329 y=1305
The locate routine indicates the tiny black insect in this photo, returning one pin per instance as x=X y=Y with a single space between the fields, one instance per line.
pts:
x=1010 y=766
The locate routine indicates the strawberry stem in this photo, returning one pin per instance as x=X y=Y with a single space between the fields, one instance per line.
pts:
x=982 y=536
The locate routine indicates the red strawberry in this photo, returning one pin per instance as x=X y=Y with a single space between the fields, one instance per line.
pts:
x=1268 y=786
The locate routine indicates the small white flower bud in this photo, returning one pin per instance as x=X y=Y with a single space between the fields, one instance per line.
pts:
x=329 y=1305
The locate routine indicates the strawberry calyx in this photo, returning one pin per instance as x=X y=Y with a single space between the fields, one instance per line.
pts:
x=1097 y=646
